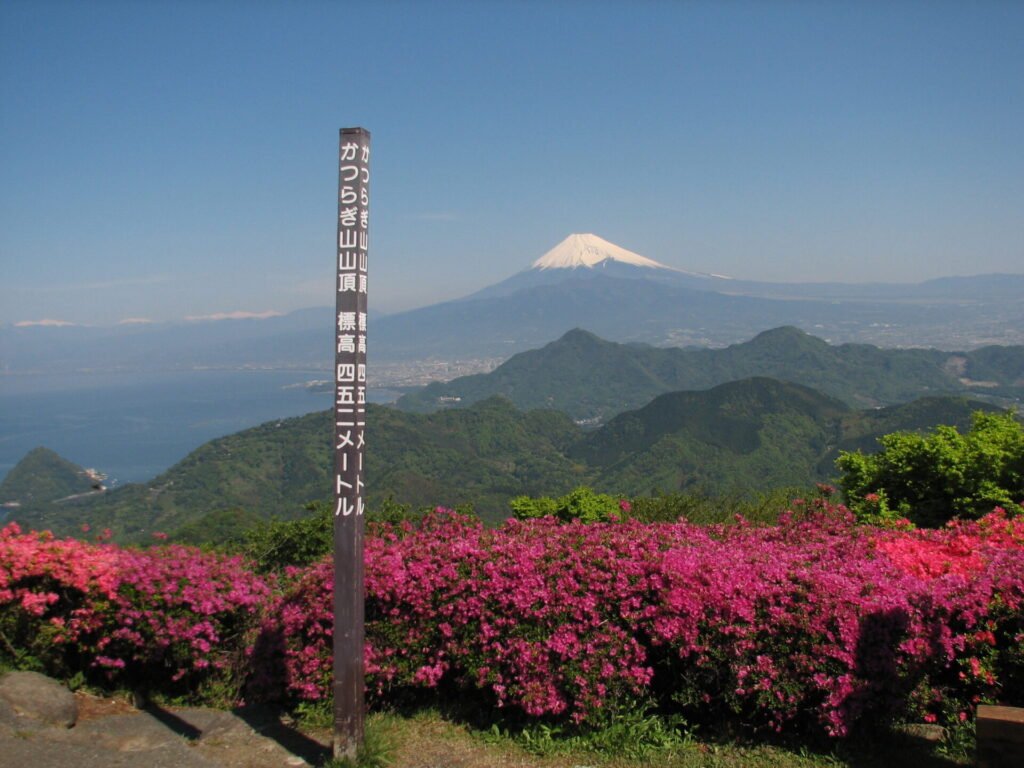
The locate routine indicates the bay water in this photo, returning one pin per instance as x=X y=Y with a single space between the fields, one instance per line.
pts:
x=133 y=426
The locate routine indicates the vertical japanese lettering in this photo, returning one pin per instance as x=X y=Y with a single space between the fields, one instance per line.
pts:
x=350 y=333
x=349 y=484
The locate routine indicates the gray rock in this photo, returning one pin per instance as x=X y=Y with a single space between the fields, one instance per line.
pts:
x=160 y=738
x=214 y=723
x=43 y=753
x=933 y=734
x=36 y=697
x=136 y=732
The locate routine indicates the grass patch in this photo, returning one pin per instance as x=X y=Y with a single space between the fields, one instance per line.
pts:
x=433 y=737
x=376 y=752
x=631 y=735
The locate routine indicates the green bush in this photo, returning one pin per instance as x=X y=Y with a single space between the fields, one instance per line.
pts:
x=932 y=478
x=707 y=509
x=696 y=507
x=580 y=504
x=221 y=528
x=275 y=544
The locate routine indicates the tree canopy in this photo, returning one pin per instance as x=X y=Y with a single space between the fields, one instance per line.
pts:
x=930 y=478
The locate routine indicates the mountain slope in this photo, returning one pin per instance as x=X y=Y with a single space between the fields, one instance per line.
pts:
x=746 y=437
x=588 y=251
x=588 y=377
x=741 y=437
x=627 y=309
x=43 y=477
x=482 y=455
x=585 y=281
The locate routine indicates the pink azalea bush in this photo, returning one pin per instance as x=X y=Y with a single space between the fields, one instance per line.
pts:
x=526 y=614
x=815 y=620
x=170 y=617
x=814 y=623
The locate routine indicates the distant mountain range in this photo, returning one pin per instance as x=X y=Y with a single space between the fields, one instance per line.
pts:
x=301 y=339
x=593 y=379
x=583 y=256
x=740 y=437
x=583 y=282
x=587 y=282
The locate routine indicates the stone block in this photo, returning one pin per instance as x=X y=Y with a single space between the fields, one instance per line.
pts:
x=39 y=698
x=1000 y=736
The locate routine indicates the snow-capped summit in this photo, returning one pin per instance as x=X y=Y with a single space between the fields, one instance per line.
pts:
x=589 y=251
x=581 y=259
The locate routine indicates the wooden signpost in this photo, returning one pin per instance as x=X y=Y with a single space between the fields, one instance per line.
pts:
x=349 y=441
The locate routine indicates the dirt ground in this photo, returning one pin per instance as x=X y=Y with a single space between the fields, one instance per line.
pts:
x=233 y=740
x=112 y=733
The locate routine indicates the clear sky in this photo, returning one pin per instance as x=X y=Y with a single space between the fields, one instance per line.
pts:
x=169 y=159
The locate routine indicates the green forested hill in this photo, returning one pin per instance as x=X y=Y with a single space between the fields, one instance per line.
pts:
x=746 y=437
x=263 y=470
x=742 y=437
x=482 y=455
x=42 y=477
x=588 y=377
x=860 y=429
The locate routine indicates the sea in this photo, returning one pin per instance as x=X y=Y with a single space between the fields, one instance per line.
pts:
x=133 y=426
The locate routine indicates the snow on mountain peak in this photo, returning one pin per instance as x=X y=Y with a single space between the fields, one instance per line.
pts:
x=589 y=251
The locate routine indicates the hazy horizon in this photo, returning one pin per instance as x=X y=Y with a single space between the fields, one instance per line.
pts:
x=178 y=160
x=326 y=305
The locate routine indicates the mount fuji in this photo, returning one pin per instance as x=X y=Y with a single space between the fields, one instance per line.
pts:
x=582 y=282
x=588 y=282
x=586 y=256
x=590 y=251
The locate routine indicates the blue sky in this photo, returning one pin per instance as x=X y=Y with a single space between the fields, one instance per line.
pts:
x=164 y=160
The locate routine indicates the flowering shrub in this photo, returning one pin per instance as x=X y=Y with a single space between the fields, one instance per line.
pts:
x=962 y=549
x=815 y=622
x=806 y=621
x=170 y=617
x=528 y=615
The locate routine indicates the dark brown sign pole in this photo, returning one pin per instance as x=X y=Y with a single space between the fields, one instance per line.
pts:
x=349 y=428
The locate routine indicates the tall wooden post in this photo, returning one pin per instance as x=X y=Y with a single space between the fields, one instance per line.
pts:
x=349 y=428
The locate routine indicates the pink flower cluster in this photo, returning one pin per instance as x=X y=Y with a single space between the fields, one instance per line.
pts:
x=815 y=622
x=141 y=617
x=964 y=549
x=530 y=614
x=819 y=620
